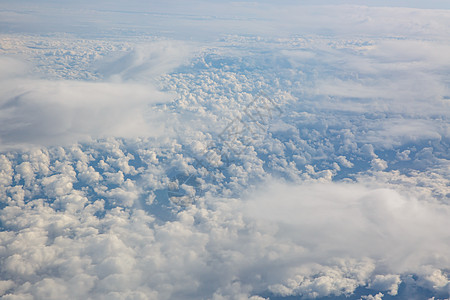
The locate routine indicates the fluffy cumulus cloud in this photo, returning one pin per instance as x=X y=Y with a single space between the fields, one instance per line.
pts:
x=243 y=150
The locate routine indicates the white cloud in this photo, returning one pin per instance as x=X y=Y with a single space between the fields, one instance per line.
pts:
x=378 y=296
x=365 y=99
x=310 y=239
x=147 y=61
x=11 y=68
x=39 y=112
x=386 y=283
x=206 y=20
x=45 y=112
x=57 y=185
x=359 y=221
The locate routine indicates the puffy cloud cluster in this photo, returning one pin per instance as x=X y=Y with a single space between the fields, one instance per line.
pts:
x=314 y=240
x=343 y=193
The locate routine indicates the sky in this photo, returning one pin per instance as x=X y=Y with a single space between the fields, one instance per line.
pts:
x=224 y=150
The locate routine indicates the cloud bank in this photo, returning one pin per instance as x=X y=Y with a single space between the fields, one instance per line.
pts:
x=132 y=168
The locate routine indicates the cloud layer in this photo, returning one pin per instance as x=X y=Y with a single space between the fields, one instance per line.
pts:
x=292 y=150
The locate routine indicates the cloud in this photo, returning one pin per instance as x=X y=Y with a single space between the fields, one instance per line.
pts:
x=11 y=68
x=59 y=112
x=92 y=238
x=378 y=296
x=370 y=78
x=202 y=20
x=400 y=131
x=411 y=83
x=331 y=219
x=95 y=221
x=40 y=112
x=147 y=61
x=386 y=283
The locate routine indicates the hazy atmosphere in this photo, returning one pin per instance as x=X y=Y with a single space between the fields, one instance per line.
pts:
x=225 y=150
